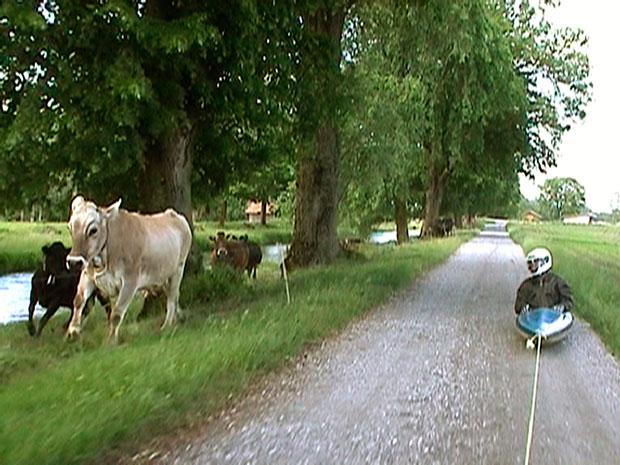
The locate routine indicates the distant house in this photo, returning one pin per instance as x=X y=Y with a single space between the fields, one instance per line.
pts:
x=582 y=218
x=531 y=216
x=253 y=212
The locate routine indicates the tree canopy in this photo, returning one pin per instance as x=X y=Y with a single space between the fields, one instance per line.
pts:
x=409 y=107
x=560 y=197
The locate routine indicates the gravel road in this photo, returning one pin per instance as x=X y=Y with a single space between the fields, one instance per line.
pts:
x=438 y=375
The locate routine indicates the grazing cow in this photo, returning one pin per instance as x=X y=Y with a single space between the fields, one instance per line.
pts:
x=53 y=286
x=230 y=251
x=123 y=252
x=442 y=227
x=254 y=258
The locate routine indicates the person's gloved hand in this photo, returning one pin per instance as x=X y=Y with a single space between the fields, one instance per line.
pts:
x=559 y=308
x=523 y=309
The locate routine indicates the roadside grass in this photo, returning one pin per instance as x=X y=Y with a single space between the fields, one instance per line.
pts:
x=588 y=258
x=74 y=403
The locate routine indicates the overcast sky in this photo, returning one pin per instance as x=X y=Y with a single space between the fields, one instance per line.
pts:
x=590 y=152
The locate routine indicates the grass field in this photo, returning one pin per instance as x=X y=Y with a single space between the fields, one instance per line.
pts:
x=20 y=243
x=70 y=403
x=588 y=258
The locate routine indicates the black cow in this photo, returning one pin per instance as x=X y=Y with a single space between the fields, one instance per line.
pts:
x=442 y=227
x=53 y=286
x=255 y=257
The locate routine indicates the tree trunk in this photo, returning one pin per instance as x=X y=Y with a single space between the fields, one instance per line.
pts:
x=222 y=214
x=434 y=196
x=458 y=221
x=165 y=181
x=315 y=238
x=263 y=212
x=402 y=222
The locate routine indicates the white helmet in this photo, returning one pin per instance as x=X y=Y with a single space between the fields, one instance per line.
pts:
x=538 y=261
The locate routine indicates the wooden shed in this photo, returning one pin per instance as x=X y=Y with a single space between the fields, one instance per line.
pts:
x=531 y=216
x=253 y=211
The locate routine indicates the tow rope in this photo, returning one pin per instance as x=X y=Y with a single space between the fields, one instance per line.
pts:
x=534 y=341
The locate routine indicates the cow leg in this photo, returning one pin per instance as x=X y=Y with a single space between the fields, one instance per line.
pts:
x=172 y=298
x=34 y=298
x=50 y=311
x=105 y=303
x=84 y=290
x=120 y=307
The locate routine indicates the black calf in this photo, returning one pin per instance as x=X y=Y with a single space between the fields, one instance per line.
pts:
x=53 y=286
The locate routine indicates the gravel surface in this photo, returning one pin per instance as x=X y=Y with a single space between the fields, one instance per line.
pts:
x=438 y=375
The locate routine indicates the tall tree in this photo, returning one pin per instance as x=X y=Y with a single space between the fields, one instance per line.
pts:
x=560 y=197
x=381 y=150
x=315 y=238
x=463 y=59
x=141 y=99
x=555 y=68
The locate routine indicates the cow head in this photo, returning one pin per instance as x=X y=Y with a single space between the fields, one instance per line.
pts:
x=88 y=225
x=54 y=258
x=220 y=252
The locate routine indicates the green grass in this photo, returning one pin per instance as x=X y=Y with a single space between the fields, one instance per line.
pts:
x=70 y=403
x=588 y=258
x=20 y=243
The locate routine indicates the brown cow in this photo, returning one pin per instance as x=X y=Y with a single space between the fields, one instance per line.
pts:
x=122 y=252
x=230 y=251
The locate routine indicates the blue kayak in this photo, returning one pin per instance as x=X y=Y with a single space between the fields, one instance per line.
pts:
x=551 y=325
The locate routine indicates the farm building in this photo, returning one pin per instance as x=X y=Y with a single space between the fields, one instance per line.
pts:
x=253 y=212
x=531 y=216
x=583 y=218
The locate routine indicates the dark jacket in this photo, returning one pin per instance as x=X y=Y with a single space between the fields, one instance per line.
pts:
x=544 y=291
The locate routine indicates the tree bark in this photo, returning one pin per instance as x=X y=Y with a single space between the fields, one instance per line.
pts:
x=222 y=214
x=263 y=212
x=165 y=181
x=434 y=196
x=458 y=221
x=402 y=221
x=315 y=238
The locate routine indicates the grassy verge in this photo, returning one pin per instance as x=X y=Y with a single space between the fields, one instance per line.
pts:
x=69 y=403
x=589 y=259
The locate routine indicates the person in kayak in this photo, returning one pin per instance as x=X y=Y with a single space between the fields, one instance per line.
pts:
x=543 y=289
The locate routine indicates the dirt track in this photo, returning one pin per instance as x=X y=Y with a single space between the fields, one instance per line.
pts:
x=437 y=375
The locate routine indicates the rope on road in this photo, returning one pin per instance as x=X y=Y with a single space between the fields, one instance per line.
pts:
x=530 y=430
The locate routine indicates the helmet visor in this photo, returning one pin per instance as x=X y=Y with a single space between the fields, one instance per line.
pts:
x=532 y=265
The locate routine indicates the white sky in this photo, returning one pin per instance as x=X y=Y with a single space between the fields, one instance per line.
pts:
x=590 y=151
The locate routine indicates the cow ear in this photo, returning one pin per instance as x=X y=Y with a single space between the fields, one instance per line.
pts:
x=112 y=209
x=44 y=249
x=77 y=202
